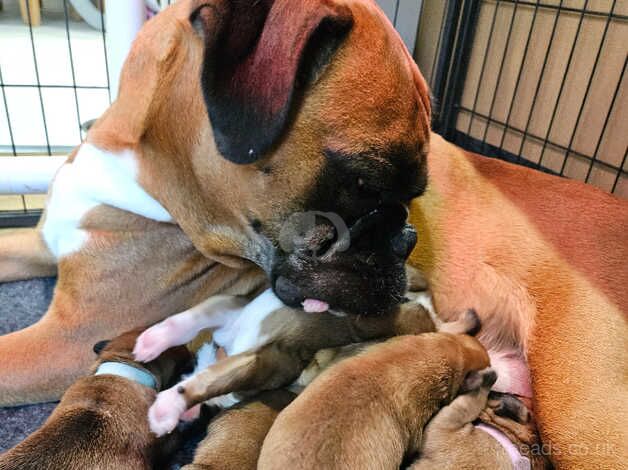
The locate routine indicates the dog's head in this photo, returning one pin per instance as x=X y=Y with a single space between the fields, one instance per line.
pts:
x=314 y=106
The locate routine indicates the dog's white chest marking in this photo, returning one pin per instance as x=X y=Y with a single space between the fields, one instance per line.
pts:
x=95 y=177
x=244 y=332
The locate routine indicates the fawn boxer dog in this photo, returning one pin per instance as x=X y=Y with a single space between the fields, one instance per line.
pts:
x=321 y=108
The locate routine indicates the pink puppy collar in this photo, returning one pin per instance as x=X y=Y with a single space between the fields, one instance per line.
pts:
x=519 y=462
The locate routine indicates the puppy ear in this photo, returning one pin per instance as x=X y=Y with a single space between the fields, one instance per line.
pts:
x=100 y=345
x=258 y=56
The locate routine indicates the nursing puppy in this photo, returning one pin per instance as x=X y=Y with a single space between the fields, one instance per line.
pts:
x=101 y=420
x=368 y=412
x=269 y=345
x=234 y=437
x=505 y=439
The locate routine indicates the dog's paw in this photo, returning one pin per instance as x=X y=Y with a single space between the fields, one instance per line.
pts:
x=152 y=342
x=164 y=414
x=477 y=379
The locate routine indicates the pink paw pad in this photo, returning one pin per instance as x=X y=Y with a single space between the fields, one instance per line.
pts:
x=164 y=414
x=152 y=342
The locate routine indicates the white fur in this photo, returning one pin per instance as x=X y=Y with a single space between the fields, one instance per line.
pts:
x=424 y=299
x=244 y=332
x=214 y=312
x=95 y=177
x=205 y=357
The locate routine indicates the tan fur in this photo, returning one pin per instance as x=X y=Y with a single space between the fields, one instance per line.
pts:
x=234 y=437
x=368 y=411
x=482 y=247
x=542 y=259
x=101 y=420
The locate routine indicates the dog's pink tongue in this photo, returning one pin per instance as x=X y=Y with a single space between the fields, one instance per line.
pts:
x=315 y=306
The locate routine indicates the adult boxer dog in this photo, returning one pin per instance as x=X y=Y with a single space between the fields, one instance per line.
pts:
x=337 y=117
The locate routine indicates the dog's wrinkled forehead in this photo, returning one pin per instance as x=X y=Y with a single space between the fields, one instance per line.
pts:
x=338 y=66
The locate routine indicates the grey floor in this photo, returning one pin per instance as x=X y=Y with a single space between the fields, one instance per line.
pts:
x=22 y=303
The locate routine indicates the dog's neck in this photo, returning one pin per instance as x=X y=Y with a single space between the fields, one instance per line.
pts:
x=134 y=373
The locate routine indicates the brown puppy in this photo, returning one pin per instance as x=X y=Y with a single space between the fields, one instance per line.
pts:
x=506 y=439
x=368 y=412
x=234 y=437
x=269 y=347
x=101 y=420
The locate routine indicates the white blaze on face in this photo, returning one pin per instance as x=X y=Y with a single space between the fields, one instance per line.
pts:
x=95 y=177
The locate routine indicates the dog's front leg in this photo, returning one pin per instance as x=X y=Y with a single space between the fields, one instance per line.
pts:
x=24 y=255
x=183 y=327
x=265 y=369
x=38 y=363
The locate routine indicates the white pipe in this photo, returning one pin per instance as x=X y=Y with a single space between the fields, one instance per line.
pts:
x=28 y=175
x=123 y=20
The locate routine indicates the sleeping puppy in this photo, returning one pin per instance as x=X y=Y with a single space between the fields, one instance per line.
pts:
x=274 y=354
x=269 y=345
x=505 y=438
x=234 y=437
x=100 y=422
x=368 y=411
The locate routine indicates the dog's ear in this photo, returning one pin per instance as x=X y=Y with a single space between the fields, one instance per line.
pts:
x=100 y=345
x=258 y=56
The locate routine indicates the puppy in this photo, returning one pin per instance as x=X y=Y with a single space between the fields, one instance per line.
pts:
x=101 y=420
x=505 y=439
x=234 y=437
x=268 y=345
x=368 y=412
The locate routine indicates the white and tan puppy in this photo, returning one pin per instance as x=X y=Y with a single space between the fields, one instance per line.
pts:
x=268 y=346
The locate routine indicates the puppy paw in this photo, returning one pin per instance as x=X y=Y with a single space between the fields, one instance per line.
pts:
x=164 y=414
x=155 y=340
x=477 y=379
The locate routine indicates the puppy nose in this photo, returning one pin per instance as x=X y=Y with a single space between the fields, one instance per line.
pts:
x=288 y=292
x=404 y=242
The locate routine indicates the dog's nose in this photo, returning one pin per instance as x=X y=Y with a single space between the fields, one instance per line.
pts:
x=404 y=242
x=288 y=292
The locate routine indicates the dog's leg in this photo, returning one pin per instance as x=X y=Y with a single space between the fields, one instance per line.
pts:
x=24 y=255
x=183 y=327
x=41 y=361
x=265 y=369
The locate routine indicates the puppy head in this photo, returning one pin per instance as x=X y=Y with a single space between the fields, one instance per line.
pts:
x=166 y=368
